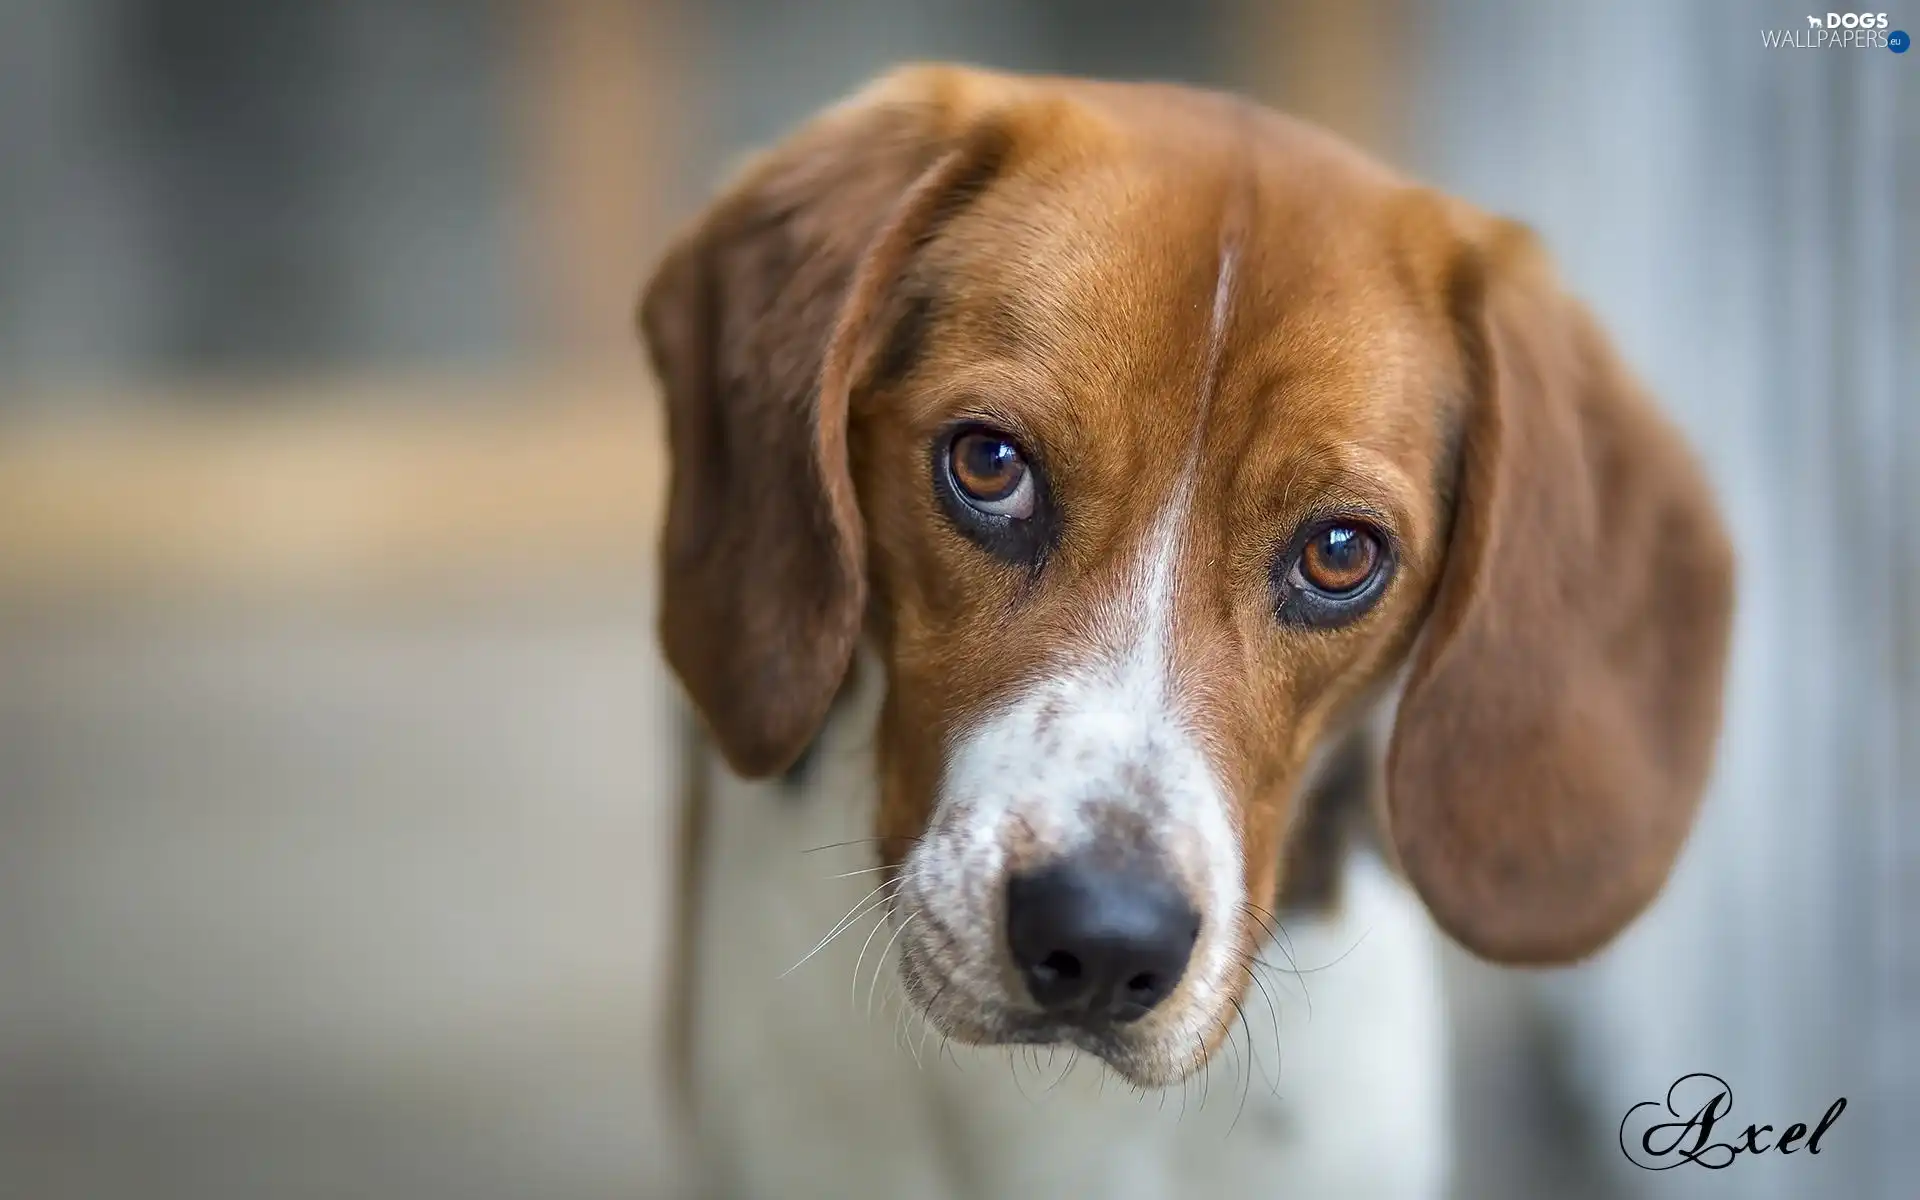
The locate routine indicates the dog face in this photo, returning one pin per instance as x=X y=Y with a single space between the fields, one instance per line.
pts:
x=1153 y=440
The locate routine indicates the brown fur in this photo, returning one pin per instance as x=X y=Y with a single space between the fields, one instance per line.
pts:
x=1048 y=255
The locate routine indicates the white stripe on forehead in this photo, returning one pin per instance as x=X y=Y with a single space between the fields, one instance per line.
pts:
x=1147 y=611
x=1216 y=343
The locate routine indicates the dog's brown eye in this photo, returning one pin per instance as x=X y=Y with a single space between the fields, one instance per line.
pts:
x=1334 y=571
x=1340 y=559
x=991 y=474
x=995 y=493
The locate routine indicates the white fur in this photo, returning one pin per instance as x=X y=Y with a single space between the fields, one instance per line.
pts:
x=1337 y=1090
x=1116 y=742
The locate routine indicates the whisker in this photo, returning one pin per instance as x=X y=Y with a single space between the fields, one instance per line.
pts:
x=1299 y=981
x=865 y=841
x=1279 y=932
x=926 y=1027
x=1286 y=948
x=927 y=1023
x=881 y=965
x=1186 y=1085
x=1290 y=969
x=846 y=922
x=853 y=981
x=1207 y=1068
x=1013 y=1069
x=903 y=1024
x=1073 y=1060
x=1266 y=923
x=1274 y=1013
x=1276 y=935
x=1246 y=1075
x=1300 y=973
x=1202 y=1064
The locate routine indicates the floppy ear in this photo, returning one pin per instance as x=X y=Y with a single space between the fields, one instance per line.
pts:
x=758 y=321
x=1557 y=727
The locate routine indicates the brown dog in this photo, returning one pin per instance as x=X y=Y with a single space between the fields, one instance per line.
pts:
x=1152 y=445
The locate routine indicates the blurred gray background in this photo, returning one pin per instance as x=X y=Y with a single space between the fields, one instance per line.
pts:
x=336 y=764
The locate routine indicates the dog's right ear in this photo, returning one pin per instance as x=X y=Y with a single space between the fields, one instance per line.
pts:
x=1557 y=727
x=759 y=321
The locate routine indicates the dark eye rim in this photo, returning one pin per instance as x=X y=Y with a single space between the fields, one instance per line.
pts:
x=1018 y=541
x=1300 y=603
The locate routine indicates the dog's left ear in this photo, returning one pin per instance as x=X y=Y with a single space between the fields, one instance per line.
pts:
x=1557 y=727
x=759 y=320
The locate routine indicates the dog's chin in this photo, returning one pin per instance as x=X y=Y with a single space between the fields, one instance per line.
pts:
x=1140 y=1058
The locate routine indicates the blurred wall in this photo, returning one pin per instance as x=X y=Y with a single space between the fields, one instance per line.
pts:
x=205 y=185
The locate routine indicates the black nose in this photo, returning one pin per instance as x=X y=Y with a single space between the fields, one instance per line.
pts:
x=1099 y=942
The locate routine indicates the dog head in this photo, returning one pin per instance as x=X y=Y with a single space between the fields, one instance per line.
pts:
x=1153 y=440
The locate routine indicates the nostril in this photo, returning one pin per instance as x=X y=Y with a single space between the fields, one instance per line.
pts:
x=1145 y=984
x=1059 y=966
